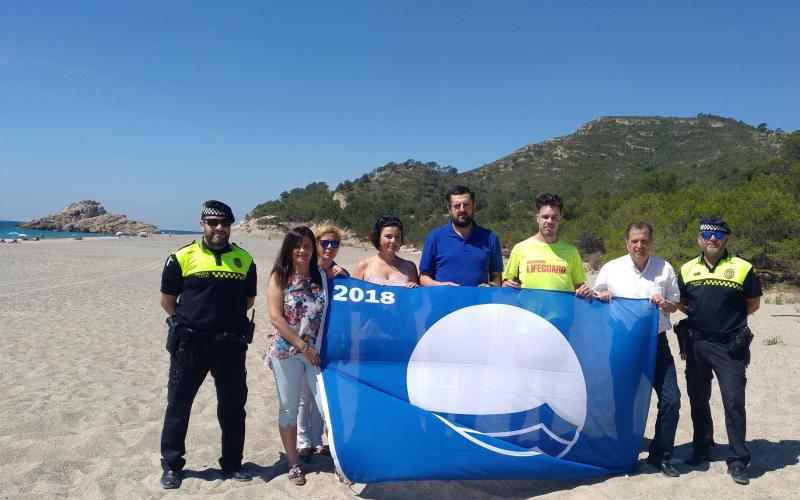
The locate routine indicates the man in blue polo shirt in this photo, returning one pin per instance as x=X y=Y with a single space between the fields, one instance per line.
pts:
x=461 y=252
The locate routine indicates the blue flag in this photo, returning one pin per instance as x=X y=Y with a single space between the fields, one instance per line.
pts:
x=483 y=383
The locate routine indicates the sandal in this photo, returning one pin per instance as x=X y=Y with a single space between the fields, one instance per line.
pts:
x=296 y=475
x=305 y=454
x=322 y=450
x=340 y=477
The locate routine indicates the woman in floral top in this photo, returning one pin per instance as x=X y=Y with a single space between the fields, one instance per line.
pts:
x=309 y=419
x=296 y=299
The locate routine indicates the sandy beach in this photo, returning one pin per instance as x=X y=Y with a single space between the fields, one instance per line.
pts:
x=84 y=375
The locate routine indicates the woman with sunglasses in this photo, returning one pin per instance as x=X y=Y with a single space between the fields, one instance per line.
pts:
x=309 y=419
x=387 y=268
x=329 y=239
x=295 y=299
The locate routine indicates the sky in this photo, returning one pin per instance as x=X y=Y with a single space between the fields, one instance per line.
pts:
x=152 y=107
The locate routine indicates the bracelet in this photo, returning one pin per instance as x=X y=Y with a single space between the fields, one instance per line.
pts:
x=304 y=348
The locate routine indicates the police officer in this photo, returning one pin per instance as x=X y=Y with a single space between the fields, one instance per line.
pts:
x=209 y=332
x=718 y=292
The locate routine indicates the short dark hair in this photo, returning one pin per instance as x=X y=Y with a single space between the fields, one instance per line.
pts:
x=549 y=200
x=457 y=191
x=382 y=222
x=639 y=226
x=284 y=266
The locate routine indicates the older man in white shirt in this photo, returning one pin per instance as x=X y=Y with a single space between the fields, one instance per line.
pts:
x=640 y=276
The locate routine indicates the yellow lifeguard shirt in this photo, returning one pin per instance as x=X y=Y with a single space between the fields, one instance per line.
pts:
x=547 y=266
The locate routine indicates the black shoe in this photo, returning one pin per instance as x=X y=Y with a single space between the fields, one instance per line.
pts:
x=738 y=474
x=238 y=475
x=664 y=467
x=697 y=458
x=668 y=470
x=171 y=479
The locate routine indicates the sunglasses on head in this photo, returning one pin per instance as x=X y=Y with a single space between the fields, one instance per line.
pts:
x=389 y=220
x=329 y=243
x=706 y=235
x=217 y=222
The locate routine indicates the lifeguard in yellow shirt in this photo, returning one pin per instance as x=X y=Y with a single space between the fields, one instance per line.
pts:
x=543 y=261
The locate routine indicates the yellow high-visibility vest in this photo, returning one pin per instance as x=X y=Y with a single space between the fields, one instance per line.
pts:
x=200 y=262
x=730 y=272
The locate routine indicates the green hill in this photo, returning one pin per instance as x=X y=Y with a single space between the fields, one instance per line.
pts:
x=611 y=153
x=611 y=171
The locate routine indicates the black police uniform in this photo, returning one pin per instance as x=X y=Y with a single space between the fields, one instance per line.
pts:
x=716 y=310
x=213 y=288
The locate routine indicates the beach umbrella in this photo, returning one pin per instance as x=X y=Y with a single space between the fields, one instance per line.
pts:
x=22 y=235
x=13 y=233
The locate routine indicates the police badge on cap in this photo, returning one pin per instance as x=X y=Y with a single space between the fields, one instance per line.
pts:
x=714 y=223
x=217 y=209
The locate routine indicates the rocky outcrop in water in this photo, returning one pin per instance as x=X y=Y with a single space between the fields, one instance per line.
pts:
x=89 y=216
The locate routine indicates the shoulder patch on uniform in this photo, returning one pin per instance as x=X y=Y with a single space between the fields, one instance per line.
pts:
x=237 y=262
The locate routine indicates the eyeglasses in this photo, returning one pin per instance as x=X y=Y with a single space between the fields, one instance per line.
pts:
x=706 y=235
x=329 y=243
x=217 y=222
x=389 y=220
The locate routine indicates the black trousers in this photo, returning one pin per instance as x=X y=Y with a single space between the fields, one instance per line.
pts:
x=703 y=358
x=226 y=362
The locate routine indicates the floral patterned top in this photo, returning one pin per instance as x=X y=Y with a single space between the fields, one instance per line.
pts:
x=303 y=307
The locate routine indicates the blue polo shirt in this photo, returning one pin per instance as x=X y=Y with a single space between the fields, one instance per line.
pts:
x=448 y=257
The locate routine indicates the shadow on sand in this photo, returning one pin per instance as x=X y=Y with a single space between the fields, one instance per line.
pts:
x=767 y=456
x=319 y=464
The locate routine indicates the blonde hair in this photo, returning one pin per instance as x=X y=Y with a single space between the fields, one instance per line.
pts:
x=328 y=229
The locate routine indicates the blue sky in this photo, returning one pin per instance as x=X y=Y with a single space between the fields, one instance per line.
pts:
x=151 y=107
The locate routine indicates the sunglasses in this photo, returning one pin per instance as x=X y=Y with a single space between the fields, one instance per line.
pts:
x=217 y=222
x=389 y=220
x=706 y=235
x=329 y=243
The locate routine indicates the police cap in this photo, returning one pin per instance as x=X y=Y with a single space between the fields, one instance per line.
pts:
x=217 y=209
x=714 y=223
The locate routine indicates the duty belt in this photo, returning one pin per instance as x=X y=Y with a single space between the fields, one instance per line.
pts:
x=190 y=334
x=709 y=336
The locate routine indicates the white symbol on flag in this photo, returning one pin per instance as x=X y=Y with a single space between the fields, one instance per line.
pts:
x=502 y=377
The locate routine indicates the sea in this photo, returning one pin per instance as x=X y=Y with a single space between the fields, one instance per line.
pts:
x=9 y=230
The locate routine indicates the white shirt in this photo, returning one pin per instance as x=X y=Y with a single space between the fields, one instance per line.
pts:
x=622 y=279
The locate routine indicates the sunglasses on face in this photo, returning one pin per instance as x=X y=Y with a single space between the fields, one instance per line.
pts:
x=329 y=243
x=706 y=235
x=217 y=222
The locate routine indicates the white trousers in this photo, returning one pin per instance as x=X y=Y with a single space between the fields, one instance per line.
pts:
x=309 y=420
